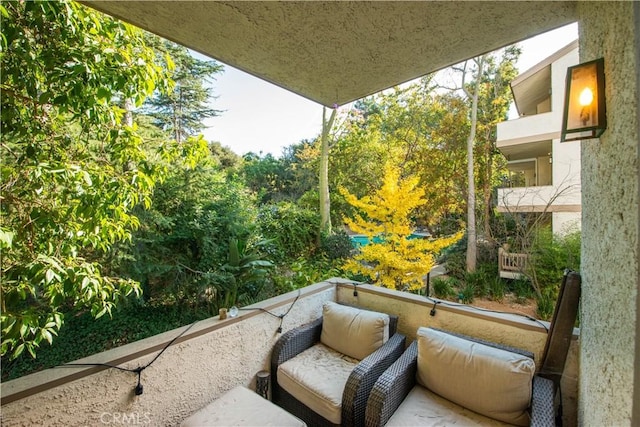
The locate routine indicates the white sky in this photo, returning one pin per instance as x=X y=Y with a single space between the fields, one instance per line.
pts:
x=261 y=117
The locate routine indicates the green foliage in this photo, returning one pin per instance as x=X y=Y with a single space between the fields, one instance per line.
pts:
x=306 y=271
x=496 y=288
x=487 y=256
x=549 y=257
x=467 y=293
x=546 y=303
x=184 y=237
x=444 y=288
x=225 y=158
x=72 y=171
x=337 y=245
x=182 y=110
x=413 y=128
x=479 y=280
x=454 y=258
x=247 y=271
x=294 y=230
x=268 y=177
x=522 y=288
x=83 y=335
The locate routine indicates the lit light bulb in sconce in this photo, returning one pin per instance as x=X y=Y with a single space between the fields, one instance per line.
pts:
x=585 y=100
x=586 y=97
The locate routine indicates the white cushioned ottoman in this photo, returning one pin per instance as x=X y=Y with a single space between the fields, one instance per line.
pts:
x=242 y=407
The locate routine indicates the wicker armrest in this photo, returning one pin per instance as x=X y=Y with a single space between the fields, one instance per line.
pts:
x=294 y=342
x=364 y=376
x=392 y=387
x=542 y=403
x=289 y=345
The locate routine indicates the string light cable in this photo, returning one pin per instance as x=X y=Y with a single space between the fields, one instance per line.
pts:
x=279 y=316
x=139 y=388
x=473 y=307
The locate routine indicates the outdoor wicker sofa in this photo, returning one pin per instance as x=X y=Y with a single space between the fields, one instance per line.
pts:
x=400 y=396
x=320 y=353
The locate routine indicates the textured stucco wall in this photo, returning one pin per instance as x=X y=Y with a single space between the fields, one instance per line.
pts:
x=185 y=378
x=610 y=222
x=414 y=311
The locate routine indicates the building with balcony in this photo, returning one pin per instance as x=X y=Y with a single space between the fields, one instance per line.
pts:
x=544 y=173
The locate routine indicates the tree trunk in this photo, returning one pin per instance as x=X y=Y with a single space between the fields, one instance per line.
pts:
x=325 y=203
x=128 y=112
x=487 y=193
x=128 y=106
x=472 y=238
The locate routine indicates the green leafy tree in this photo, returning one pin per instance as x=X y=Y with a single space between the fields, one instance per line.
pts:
x=493 y=107
x=394 y=261
x=72 y=171
x=268 y=177
x=423 y=131
x=182 y=111
x=302 y=169
x=247 y=271
x=225 y=157
x=185 y=232
x=355 y=158
x=292 y=229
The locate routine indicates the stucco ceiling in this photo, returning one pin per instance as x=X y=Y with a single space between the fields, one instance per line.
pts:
x=337 y=52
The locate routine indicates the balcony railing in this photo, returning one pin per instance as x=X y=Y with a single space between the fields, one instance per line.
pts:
x=216 y=355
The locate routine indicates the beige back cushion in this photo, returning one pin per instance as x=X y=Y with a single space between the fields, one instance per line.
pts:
x=353 y=331
x=492 y=382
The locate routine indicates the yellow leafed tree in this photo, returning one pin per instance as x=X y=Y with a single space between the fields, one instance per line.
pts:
x=391 y=259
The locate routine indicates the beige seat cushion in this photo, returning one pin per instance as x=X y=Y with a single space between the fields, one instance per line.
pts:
x=353 y=331
x=422 y=407
x=241 y=407
x=317 y=377
x=492 y=382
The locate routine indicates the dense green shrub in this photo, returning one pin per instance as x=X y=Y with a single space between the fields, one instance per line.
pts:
x=337 y=245
x=546 y=303
x=304 y=272
x=480 y=279
x=294 y=230
x=444 y=288
x=487 y=253
x=183 y=240
x=550 y=255
x=456 y=264
x=467 y=293
x=522 y=289
x=83 y=336
x=496 y=288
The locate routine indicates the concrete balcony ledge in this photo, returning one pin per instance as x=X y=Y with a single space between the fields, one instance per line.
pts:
x=545 y=198
x=216 y=355
x=539 y=127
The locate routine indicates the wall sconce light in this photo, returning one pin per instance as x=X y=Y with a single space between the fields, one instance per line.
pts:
x=584 y=103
